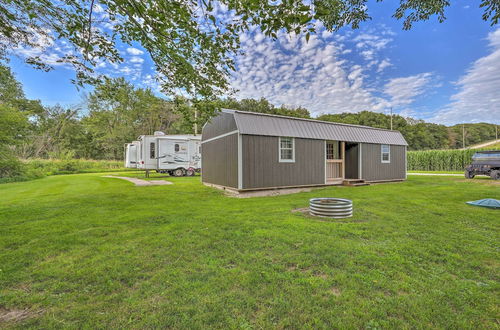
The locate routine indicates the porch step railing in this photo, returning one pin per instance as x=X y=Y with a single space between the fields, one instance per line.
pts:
x=334 y=169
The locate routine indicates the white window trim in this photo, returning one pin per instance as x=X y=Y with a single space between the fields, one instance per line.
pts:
x=382 y=154
x=293 y=150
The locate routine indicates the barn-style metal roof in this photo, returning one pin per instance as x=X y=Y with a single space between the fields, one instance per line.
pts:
x=254 y=123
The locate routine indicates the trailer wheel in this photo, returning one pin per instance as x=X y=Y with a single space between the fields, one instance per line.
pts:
x=469 y=174
x=179 y=172
x=190 y=172
x=495 y=174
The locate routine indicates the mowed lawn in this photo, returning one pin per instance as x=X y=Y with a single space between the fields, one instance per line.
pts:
x=83 y=251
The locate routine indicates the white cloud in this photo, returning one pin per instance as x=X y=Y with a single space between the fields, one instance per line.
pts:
x=478 y=97
x=298 y=73
x=384 y=64
x=403 y=91
x=370 y=40
x=134 y=51
x=48 y=50
x=317 y=75
x=136 y=59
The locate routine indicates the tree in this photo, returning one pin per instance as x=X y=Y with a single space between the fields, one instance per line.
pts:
x=56 y=133
x=262 y=106
x=474 y=134
x=190 y=43
x=119 y=113
x=13 y=125
x=12 y=95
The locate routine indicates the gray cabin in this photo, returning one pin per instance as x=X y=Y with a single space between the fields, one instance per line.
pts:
x=249 y=151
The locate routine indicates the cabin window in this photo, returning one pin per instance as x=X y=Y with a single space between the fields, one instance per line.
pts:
x=176 y=147
x=286 y=150
x=152 y=150
x=386 y=153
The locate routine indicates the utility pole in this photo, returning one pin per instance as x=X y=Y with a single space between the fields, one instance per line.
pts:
x=391 y=118
x=496 y=132
x=463 y=136
x=195 y=122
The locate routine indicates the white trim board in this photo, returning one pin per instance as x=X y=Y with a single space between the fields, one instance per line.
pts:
x=360 y=160
x=240 y=162
x=406 y=163
x=220 y=136
x=324 y=160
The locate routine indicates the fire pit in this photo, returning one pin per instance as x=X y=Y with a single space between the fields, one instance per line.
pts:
x=330 y=207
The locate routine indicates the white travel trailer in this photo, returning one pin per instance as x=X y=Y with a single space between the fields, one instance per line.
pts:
x=132 y=154
x=177 y=155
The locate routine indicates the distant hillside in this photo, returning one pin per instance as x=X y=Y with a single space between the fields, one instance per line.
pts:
x=493 y=145
x=419 y=134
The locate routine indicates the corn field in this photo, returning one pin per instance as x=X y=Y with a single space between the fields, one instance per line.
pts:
x=439 y=160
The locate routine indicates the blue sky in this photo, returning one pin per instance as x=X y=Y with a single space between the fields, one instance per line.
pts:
x=440 y=72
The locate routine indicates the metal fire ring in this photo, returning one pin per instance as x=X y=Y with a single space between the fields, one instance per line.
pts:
x=330 y=207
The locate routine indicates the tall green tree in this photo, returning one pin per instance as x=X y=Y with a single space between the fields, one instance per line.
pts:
x=13 y=125
x=57 y=132
x=12 y=94
x=119 y=113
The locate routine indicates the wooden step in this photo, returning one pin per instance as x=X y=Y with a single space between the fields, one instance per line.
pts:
x=355 y=182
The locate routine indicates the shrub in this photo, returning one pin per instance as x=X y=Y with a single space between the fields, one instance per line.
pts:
x=12 y=169
x=10 y=166
x=70 y=166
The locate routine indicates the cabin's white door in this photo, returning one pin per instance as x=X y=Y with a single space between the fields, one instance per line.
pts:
x=334 y=170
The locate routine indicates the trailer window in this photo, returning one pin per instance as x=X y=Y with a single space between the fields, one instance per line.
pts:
x=152 y=150
x=386 y=153
x=286 y=150
x=176 y=147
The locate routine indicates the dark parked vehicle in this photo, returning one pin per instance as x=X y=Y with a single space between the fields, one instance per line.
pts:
x=484 y=163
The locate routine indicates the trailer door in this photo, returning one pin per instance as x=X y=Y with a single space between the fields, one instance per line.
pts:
x=172 y=154
x=181 y=152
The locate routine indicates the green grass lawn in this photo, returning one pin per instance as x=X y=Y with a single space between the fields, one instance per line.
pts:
x=83 y=251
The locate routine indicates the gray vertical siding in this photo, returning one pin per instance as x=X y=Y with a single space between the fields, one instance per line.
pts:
x=262 y=169
x=219 y=160
x=218 y=125
x=352 y=161
x=374 y=170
